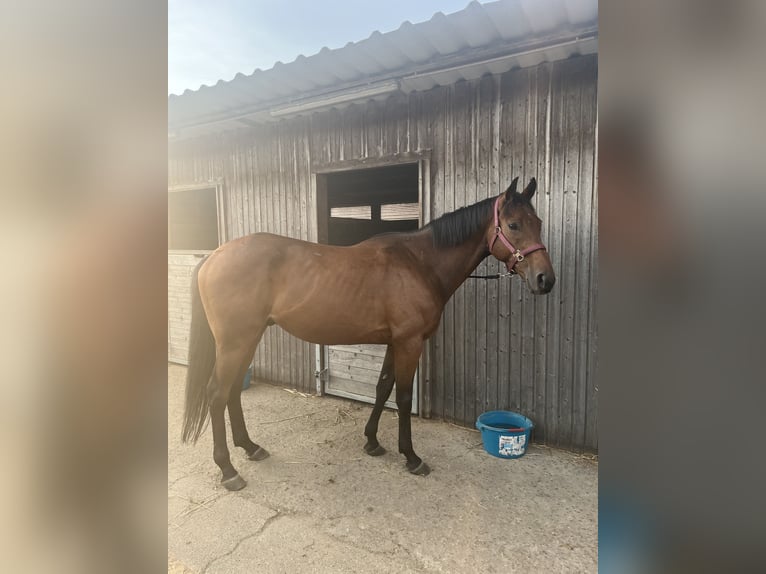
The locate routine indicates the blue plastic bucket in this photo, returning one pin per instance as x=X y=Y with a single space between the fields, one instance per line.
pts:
x=505 y=434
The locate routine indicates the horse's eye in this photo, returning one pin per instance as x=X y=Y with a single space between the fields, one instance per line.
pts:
x=514 y=226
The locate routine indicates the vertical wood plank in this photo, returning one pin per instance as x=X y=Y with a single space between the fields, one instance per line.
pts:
x=485 y=142
x=462 y=158
x=571 y=183
x=541 y=85
x=529 y=170
x=451 y=368
x=587 y=86
x=469 y=331
x=289 y=193
x=558 y=159
x=435 y=101
x=518 y=288
x=493 y=315
x=504 y=291
x=591 y=407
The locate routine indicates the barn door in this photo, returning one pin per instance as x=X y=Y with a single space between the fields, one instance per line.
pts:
x=358 y=204
x=195 y=229
x=353 y=370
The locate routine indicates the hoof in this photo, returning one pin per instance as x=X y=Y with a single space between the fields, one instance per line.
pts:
x=234 y=483
x=259 y=454
x=421 y=470
x=377 y=451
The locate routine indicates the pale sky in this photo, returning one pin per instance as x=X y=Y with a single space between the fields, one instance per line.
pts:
x=213 y=40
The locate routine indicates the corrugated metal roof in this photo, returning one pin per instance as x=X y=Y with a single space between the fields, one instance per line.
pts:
x=482 y=38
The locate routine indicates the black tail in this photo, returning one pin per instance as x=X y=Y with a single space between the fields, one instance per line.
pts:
x=201 y=363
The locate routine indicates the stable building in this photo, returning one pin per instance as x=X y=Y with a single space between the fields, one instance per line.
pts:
x=387 y=134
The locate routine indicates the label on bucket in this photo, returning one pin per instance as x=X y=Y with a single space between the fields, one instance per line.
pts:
x=512 y=445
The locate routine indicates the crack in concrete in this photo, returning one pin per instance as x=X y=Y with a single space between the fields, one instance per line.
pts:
x=180 y=478
x=419 y=564
x=172 y=483
x=195 y=505
x=269 y=521
x=279 y=513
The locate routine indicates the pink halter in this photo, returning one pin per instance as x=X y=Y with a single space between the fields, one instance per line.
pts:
x=517 y=255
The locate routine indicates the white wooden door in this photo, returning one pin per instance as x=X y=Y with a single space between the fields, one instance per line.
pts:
x=353 y=371
x=181 y=265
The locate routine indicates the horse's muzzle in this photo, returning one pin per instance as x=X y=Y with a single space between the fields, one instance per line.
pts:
x=544 y=282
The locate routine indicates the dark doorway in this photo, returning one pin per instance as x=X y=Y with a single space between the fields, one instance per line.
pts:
x=354 y=205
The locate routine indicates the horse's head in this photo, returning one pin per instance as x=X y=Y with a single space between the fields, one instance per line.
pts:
x=513 y=237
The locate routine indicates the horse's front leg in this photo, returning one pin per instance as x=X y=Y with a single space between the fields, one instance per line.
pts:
x=406 y=356
x=382 y=392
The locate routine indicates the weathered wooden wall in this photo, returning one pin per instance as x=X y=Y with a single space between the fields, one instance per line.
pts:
x=498 y=346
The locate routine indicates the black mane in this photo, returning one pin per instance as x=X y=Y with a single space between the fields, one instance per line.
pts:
x=458 y=226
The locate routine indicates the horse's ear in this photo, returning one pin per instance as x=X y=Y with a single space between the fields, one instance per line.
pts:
x=511 y=189
x=529 y=192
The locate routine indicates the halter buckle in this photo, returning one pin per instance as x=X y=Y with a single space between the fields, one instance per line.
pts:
x=519 y=256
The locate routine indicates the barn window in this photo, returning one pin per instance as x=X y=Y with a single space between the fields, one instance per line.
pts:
x=356 y=212
x=193 y=220
x=356 y=204
x=400 y=211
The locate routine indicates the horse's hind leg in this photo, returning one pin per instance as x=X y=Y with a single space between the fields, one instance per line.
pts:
x=237 y=419
x=230 y=367
x=382 y=392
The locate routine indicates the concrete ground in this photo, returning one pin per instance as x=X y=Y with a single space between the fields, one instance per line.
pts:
x=319 y=504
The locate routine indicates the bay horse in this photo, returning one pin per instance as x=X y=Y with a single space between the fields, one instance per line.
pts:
x=390 y=289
